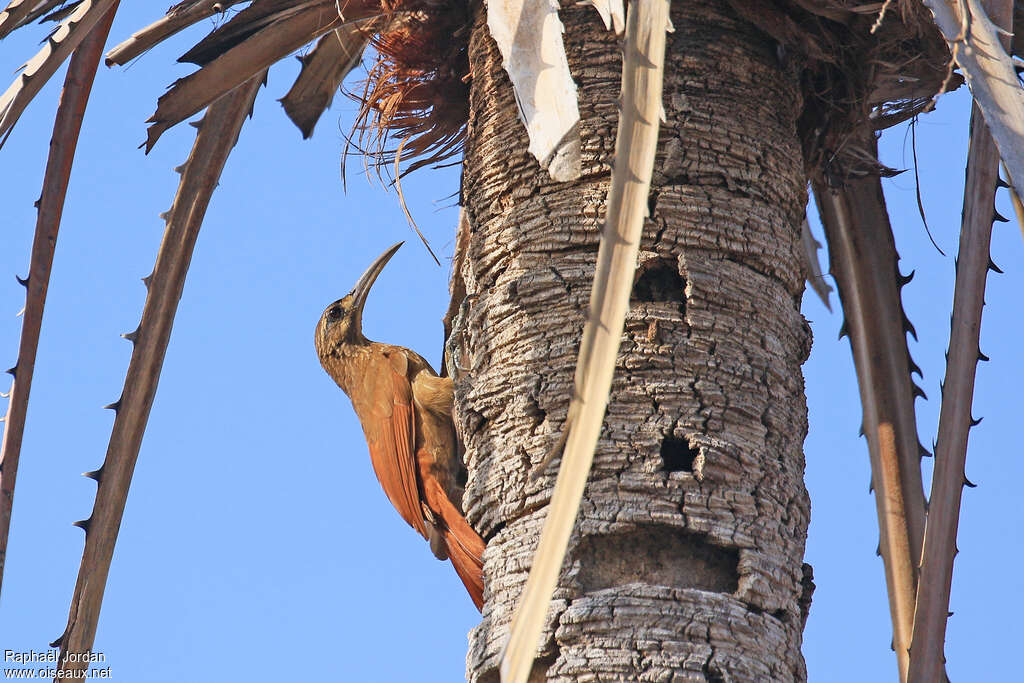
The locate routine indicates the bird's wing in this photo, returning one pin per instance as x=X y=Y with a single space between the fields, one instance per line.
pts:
x=390 y=434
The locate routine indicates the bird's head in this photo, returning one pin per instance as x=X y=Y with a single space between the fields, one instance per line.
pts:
x=342 y=322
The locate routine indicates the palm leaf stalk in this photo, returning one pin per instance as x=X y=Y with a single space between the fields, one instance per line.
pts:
x=927 y=658
x=66 y=128
x=218 y=132
x=864 y=263
x=323 y=70
x=635 y=146
x=178 y=18
x=14 y=15
x=955 y=420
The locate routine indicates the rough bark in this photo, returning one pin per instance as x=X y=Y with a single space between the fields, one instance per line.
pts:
x=686 y=563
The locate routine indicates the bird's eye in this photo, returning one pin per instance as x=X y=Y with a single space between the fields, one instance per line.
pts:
x=334 y=314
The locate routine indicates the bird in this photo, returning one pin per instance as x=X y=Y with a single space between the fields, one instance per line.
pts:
x=405 y=410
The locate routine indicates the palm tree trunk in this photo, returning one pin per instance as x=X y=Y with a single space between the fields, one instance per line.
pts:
x=686 y=562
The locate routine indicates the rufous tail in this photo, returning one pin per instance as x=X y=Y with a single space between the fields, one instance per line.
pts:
x=465 y=547
x=468 y=566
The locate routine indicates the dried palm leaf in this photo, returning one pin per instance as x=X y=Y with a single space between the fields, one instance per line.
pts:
x=417 y=90
x=927 y=657
x=635 y=146
x=16 y=14
x=217 y=135
x=260 y=15
x=179 y=17
x=239 y=63
x=420 y=112
x=66 y=127
x=405 y=207
x=40 y=68
x=323 y=71
x=45 y=11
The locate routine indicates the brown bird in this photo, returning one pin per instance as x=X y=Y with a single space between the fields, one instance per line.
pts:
x=406 y=413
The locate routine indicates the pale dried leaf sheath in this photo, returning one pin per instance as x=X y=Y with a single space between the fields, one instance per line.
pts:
x=926 y=655
x=635 y=145
x=258 y=52
x=323 y=70
x=217 y=135
x=66 y=127
x=165 y=27
x=529 y=37
x=990 y=75
x=38 y=70
x=815 y=277
x=864 y=263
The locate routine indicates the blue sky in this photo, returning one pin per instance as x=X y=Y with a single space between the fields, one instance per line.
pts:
x=257 y=544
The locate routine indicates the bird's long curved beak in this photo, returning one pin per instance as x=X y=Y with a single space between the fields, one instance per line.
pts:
x=362 y=288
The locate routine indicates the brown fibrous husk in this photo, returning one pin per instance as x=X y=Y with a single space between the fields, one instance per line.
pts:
x=886 y=64
x=417 y=91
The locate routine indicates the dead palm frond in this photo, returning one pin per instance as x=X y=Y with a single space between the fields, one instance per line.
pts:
x=988 y=68
x=178 y=18
x=19 y=13
x=417 y=91
x=995 y=103
x=815 y=278
x=529 y=37
x=248 y=44
x=323 y=70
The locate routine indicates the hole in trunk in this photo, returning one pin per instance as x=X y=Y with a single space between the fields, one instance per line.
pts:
x=677 y=455
x=712 y=674
x=659 y=280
